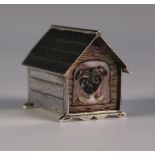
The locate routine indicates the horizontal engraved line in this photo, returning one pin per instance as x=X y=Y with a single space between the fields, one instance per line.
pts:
x=47 y=81
x=34 y=56
x=97 y=104
x=59 y=50
x=46 y=94
x=45 y=71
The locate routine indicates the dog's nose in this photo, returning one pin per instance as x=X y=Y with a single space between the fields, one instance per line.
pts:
x=90 y=89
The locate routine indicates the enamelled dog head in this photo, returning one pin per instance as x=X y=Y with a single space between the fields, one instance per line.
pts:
x=90 y=78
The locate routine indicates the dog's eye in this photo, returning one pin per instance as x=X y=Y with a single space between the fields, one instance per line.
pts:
x=97 y=79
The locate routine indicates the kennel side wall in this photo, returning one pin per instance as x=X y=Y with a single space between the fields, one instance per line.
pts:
x=47 y=89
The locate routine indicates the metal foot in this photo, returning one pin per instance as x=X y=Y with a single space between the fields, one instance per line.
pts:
x=28 y=105
x=65 y=118
x=121 y=114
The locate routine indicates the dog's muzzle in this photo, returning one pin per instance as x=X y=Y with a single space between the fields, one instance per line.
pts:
x=90 y=89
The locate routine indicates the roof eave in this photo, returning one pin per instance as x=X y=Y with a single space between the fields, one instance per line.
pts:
x=125 y=68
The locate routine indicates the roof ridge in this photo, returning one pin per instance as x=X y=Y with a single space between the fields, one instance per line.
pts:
x=76 y=29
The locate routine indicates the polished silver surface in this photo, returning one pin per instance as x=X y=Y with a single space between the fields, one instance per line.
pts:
x=46 y=87
x=49 y=102
x=46 y=75
x=46 y=90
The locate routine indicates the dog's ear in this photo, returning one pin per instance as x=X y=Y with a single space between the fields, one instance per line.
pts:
x=102 y=70
x=78 y=75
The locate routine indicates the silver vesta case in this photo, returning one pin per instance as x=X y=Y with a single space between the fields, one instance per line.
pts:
x=74 y=73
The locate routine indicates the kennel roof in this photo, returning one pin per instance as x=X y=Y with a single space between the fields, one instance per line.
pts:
x=59 y=48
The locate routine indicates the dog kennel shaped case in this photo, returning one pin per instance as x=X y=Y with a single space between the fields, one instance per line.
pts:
x=53 y=63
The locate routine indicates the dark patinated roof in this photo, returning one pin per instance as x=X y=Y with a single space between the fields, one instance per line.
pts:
x=60 y=47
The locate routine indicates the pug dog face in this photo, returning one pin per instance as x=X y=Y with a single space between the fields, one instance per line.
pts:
x=90 y=78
